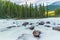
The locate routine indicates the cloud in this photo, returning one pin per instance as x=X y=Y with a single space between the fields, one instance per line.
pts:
x=24 y=1
x=34 y=1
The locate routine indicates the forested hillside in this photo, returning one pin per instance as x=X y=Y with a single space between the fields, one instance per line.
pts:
x=13 y=10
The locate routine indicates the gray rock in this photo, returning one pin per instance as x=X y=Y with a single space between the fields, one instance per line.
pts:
x=25 y=23
x=36 y=33
x=56 y=28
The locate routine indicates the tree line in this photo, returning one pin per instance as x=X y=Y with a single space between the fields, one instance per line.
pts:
x=12 y=10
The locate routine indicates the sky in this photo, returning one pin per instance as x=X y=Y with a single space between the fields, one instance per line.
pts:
x=34 y=1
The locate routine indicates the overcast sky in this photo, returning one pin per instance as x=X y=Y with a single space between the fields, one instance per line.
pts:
x=34 y=1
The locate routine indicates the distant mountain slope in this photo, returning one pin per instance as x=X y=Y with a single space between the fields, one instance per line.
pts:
x=54 y=5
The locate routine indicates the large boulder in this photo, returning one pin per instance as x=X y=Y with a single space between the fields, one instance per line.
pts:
x=56 y=28
x=25 y=23
x=36 y=33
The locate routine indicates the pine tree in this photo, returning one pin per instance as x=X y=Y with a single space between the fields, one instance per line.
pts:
x=31 y=11
x=57 y=12
x=25 y=9
x=36 y=11
x=23 y=12
x=47 y=10
x=41 y=11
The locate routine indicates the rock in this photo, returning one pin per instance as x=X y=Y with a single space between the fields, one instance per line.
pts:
x=36 y=33
x=11 y=27
x=47 y=25
x=31 y=23
x=41 y=23
x=25 y=23
x=47 y=22
x=31 y=28
x=13 y=22
x=58 y=24
x=56 y=28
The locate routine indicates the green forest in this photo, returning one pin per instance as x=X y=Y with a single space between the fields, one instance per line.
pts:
x=12 y=10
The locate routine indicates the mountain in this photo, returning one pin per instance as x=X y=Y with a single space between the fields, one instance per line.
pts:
x=54 y=5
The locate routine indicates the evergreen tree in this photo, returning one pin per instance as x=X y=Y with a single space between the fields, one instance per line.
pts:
x=12 y=10
x=47 y=10
x=42 y=11
x=31 y=11
x=26 y=9
x=36 y=11
x=57 y=12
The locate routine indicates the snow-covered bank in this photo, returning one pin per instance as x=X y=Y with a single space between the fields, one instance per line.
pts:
x=47 y=33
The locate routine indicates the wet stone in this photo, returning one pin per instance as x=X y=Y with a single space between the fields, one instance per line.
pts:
x=13 y=22
x=36 y=33
x=11 y=27
x=31 y=23
x=48 y=22
x=47 y=25
x=31 y=28
x=41 y=23
x=25 y=23
x=56 y=28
